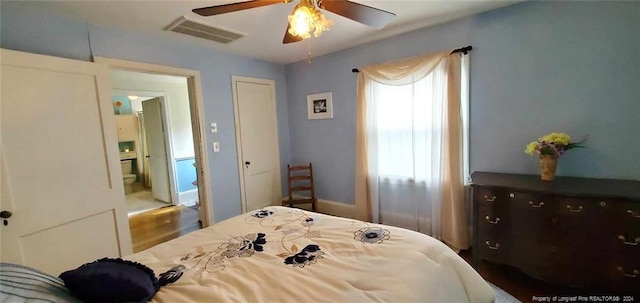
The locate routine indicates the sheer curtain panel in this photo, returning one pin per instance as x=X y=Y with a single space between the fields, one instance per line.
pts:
x=409 y=146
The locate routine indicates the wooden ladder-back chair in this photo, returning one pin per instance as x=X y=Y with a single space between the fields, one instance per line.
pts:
x=302 y=176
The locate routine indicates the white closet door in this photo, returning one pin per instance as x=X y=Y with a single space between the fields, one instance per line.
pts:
x=257 y=130
x=60 y=172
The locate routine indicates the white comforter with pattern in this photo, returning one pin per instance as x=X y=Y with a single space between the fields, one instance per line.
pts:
x=280 y=254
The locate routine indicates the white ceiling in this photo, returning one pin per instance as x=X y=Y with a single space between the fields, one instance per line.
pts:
x=264 y=26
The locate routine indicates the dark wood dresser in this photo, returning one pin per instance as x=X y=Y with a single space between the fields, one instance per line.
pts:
x=575 y=232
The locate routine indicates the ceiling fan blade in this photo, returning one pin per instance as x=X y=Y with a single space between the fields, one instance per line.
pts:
x=289 y=38
x=233 y=7
x=361 y=13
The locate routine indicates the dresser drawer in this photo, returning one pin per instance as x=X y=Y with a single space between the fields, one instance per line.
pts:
x=574 y=206
x=623 y=230
x=496 y=249
x=629 y=210
x=532 y=216
x=495 y=226
x=534 y=257
x=622 y=278
x=623 y=243
x=490 y=197
x=493 y=220
x=626 y=256
x=504 y=197
x=626 y=215
x=576 y=232
x=530 y=201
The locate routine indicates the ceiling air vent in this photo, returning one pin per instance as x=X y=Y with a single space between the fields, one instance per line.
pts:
x=200 y=30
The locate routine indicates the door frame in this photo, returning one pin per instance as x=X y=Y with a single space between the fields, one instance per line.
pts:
x=236 y=115
x=168 y=146
x=197 y=122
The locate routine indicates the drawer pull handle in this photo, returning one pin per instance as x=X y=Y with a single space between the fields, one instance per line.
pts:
x=621 y=237
x=633 y=275
x=577 y=210
x=493 y=198
x=633 y=214
x=492 y=222
x=512 y=195
x=603 y=204
x=492 y=247
x=536 y=205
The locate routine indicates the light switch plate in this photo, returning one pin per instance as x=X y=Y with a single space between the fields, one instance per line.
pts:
x=214 y=127
x=216 y=147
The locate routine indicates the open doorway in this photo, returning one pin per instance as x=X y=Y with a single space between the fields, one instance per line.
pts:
x=159 y=156
x=144 y=144
x=155 y=140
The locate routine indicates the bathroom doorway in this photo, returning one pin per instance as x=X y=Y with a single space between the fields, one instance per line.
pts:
x=145 y=147
x=163 y=166
x=191 y=170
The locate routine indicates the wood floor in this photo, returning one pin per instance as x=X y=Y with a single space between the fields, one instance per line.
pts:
x=160 y=225
x=522 y=286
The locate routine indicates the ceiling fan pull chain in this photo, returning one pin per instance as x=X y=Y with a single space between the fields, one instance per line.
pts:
x=309 y=56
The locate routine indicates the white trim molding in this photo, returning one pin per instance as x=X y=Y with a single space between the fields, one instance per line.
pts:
x=333 y=208
x=197 y=121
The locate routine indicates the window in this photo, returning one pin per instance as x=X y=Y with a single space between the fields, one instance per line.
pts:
x=409 y=127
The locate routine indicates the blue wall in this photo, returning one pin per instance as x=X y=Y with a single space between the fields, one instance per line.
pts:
x=37 y=31
x=536 y=67
x=125 y=108
x=186 y=174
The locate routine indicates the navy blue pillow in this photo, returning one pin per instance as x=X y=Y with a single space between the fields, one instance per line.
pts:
x=111 y=280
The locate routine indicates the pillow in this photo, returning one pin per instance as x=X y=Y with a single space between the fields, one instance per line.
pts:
x=111 y=280
x=23 y=284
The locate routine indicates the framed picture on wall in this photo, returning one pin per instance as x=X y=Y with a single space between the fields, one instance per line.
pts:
x=319 y=106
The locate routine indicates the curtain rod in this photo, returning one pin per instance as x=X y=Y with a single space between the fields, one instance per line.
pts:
x=463 y=50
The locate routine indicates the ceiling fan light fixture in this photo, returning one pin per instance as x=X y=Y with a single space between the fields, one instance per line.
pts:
x=306 y=19
x=322 y=24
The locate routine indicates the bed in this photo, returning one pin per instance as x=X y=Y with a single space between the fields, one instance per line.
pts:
x=280 y=254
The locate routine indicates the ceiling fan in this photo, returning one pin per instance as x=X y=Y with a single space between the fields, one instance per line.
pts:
x=306 y=17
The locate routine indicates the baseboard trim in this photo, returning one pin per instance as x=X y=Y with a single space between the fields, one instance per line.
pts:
x=188 y=198
x=337 y=209
x=333 y=208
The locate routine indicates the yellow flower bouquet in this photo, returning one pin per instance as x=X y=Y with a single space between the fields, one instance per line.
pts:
x=553 y=144
x=549 y=148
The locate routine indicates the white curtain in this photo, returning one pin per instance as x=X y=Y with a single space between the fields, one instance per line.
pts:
x=409 y=150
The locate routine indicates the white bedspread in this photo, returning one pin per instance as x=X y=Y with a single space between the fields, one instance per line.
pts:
x=282 y=254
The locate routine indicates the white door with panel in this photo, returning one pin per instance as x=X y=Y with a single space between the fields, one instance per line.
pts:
x=257 y=135
x=157 y=149
x=59 y=164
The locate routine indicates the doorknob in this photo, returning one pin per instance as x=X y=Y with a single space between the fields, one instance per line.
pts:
x=247 y=163
x=5 y=215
